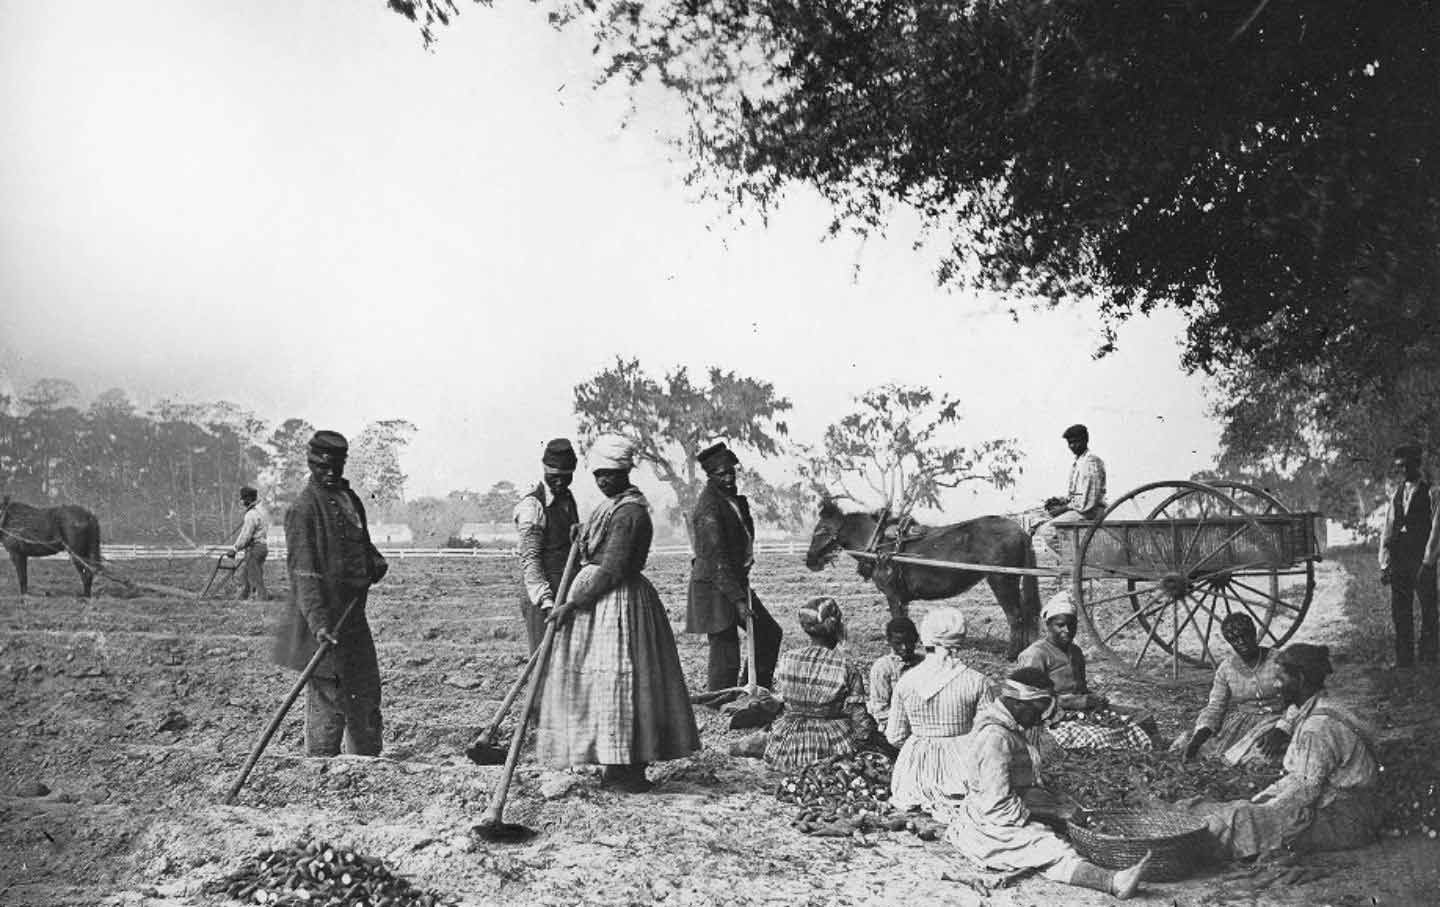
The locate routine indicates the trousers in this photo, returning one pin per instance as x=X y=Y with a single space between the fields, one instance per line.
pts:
x=1408 y=584
x=252 y=572
x=724 y=668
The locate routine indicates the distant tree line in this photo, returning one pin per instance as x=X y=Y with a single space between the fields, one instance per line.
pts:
x=170 y=473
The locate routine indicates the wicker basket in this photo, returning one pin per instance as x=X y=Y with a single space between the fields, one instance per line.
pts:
x=1177 y=841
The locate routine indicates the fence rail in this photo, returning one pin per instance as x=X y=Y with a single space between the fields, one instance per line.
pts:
x=151 y=552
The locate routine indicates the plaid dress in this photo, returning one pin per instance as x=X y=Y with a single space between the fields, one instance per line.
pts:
x=824 y=708
x=614 y=690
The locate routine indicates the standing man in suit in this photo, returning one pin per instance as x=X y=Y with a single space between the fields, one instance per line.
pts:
x=720 y=599
x=1409 y=549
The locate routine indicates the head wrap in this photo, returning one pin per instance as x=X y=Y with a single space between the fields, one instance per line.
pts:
x=328 y=445
x=1310 y=660
x=1020 y=691
x=611 y=452
x=1059 y=604
x=559 y=456
x=821 y=618
x=716 y=457
x=943 y=628
x=1076 y=431
x=1238 y=625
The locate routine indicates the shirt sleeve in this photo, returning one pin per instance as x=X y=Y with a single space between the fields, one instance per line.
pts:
x=1088 y=489
x=627 y=529
x=1310 y=760
x=881 y=686
x=862 y=723
x=990 y=792
x=530 y=527
x=302 y=562
x=1387 y=528
x=1214 y=712
x=249 y=529
x=897 y=725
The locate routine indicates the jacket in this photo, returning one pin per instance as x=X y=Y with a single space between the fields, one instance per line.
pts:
x=317 y=536
x=723 y=534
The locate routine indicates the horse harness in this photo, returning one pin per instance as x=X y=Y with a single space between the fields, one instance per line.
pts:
x=906 y=530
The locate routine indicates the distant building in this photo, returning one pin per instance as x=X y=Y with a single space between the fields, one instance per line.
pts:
x=488 y=533
x=391 y=534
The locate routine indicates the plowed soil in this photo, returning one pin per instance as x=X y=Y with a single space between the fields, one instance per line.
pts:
x=136 y=713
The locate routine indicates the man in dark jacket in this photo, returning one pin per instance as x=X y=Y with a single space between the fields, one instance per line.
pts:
x=1409 y=548
x=720 y=597
x=543 y=520
x=332 y=565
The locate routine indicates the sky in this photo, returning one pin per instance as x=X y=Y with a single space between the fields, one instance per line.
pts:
x=293 y=206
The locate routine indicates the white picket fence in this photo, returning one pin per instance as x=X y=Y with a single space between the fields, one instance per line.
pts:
x=151 y=552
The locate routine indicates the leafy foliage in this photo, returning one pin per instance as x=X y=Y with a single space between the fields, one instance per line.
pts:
x=674 y=418
x=1268 y=168
x=374 y=465
x=895 y=444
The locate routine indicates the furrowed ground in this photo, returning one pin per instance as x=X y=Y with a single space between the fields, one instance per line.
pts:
x=137 y=713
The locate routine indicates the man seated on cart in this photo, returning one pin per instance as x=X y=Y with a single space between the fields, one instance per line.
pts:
x=1084 y=498
x=1086 y=720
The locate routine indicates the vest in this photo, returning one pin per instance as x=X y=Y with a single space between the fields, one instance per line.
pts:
x=1411 y=528
x=560 y=515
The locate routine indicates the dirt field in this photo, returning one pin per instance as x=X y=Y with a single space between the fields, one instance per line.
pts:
x=136 y=713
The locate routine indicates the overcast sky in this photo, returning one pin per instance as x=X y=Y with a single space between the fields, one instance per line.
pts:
x=294 y=207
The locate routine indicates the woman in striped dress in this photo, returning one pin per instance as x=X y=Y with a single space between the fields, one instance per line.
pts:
x=614 y=694
x=931 y=715
x=824 y=695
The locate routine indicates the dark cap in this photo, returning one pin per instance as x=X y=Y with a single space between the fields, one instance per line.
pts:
x=329 y=444
x=1076 y=431
x=559 y=455
x=248 y=494
x=717 y=456
x=1410 y=451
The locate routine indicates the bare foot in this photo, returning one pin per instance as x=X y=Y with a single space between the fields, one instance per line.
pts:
x=1127 y=880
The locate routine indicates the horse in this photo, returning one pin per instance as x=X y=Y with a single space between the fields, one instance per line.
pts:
x=28 y=532
x=993 y=540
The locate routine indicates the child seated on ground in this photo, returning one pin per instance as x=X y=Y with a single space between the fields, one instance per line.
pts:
x=902 y=637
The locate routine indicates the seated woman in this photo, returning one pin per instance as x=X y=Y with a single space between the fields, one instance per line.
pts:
x=1244 y=702
x=902 y=637
x=824 y=695
x=1060 y=659
x=1326 y=800
x=999 y=824
x=931 y=715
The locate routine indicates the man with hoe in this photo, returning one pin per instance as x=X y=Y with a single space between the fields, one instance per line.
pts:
x=332 y=565
x=251 y=543
x=1409 y=549
x=720 y=597
x=543 y=520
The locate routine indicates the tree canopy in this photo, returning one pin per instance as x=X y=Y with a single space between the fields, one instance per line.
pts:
x=896 y=447
x=672 y=419
x=1270 y=169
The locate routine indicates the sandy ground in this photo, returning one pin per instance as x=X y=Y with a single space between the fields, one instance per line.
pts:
x=136 y=713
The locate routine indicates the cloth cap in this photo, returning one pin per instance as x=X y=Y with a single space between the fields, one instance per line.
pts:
x=611 y=452
x=1076 y=431
x=943 y=627
x=823 y=618
x=329 y=445
x=1059 y=604
x=717 y=456
x=249 y=494
x=1311 y=660
x=559 y=456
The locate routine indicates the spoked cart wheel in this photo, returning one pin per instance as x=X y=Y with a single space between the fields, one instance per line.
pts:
x=1169 y=561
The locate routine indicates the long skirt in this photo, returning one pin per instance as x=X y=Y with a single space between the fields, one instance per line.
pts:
x=1006 y=848
x=929 y=771
x=614 y=690
x=1245 y=829
x=798 y=740
x=1235 y=741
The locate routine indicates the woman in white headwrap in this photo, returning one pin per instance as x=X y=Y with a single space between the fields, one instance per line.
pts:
x=1060 y=658
x=931 y=714
x=1001 y=824
x=615 y=693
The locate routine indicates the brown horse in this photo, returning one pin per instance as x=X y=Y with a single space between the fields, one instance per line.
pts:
x=992 y=540
x=28 y=532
